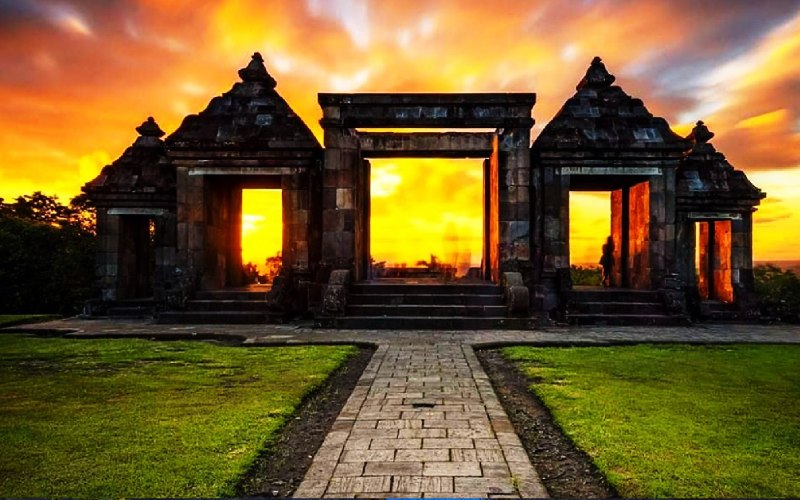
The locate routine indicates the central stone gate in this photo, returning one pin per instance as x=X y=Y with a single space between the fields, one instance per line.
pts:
x=346 y=173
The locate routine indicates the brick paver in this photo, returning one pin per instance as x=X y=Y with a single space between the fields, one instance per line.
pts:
x=425 y=422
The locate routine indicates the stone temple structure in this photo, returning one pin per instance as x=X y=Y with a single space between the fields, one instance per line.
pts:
x=169 y=211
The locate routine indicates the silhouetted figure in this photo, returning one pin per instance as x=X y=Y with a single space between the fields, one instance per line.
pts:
x=607 y=262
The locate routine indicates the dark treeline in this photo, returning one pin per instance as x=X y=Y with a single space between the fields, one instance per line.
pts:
x=46 y=254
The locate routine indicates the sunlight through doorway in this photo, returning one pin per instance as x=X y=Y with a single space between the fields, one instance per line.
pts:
x=427 y=213
x=262 y=234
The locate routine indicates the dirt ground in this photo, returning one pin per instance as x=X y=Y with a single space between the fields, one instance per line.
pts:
x=280 y=467
x=565 y=470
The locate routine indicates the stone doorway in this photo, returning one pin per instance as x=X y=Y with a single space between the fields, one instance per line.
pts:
x=713 y=260
x=505 y=151
x=223 y=262
x=631 y=218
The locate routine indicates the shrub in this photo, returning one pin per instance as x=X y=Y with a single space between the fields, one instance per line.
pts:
x=778 y=292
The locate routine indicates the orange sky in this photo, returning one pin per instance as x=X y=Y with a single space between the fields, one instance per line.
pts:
x=77 y=76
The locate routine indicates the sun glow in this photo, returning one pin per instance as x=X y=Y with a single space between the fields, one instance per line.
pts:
x=425 y=207
x=262 y=229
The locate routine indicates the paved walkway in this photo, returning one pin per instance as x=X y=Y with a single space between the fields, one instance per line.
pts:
x=423 y=419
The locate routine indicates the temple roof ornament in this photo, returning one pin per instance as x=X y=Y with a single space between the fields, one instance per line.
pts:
x=257 y=72
x=597 y=76
x=150 y=128
x=700 y=133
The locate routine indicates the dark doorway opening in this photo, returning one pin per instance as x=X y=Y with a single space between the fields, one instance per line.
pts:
x=136 y=257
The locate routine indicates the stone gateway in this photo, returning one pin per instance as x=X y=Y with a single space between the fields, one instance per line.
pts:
x=169 y=211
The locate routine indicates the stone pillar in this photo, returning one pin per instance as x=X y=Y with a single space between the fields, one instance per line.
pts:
x=641 y=226
x=107 y=257
x=619 y=233
x=658 y=239
x=342 y=158
x=552 y=201
x=723 y=289
x=165 y=255
x=514 y=198
x=190 y=228
x=742 y=254
x=704 y=260
x=296 y=215
x=685 y=247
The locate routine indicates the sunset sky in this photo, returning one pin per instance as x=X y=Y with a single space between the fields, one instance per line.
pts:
x=76 y=77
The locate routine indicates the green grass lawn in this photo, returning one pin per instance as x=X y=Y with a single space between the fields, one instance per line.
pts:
x=19 y=319
x=678 y=421
x=114 y=418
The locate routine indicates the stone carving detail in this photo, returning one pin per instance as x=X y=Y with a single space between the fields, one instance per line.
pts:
x=516 y=294
x=335 y=299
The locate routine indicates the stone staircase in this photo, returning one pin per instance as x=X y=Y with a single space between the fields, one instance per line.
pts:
x=618 y=306
x=131 y=309
x=428 y=306
x=233 y=306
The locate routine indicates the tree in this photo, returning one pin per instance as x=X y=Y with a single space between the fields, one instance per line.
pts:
x=46 y=255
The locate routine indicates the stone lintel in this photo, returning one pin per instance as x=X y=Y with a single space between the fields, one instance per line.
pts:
x=194 y=171
x=427 y=98
x=155 y=212
x=495 y=110
x=243 y=154
x=610 y=171
x=426 y=144
x=714 y=215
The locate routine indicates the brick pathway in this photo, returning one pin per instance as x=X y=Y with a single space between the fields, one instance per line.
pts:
x=422 y=421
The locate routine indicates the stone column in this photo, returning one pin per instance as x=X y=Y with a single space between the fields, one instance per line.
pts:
x=342 y=158
x=514 y=198
x=165 y=255
x=190 y=227
x=295 y=200
x=107 y=257
x=742 y=251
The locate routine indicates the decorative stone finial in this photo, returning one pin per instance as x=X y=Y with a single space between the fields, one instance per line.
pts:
x=597 y=76
x=257 y=72
x=150 y=128
x=700 y=133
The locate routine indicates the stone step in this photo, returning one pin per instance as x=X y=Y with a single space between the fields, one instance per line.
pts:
x=426 y=310
x=130 y=311
x=426 y=299
x=227 y=305
x=629 y=308
x=213 y=317
x=627 y=319
x=425 y=289
x=231 y=294
x=426 y=323
x=613 y=295
x=716 y=310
